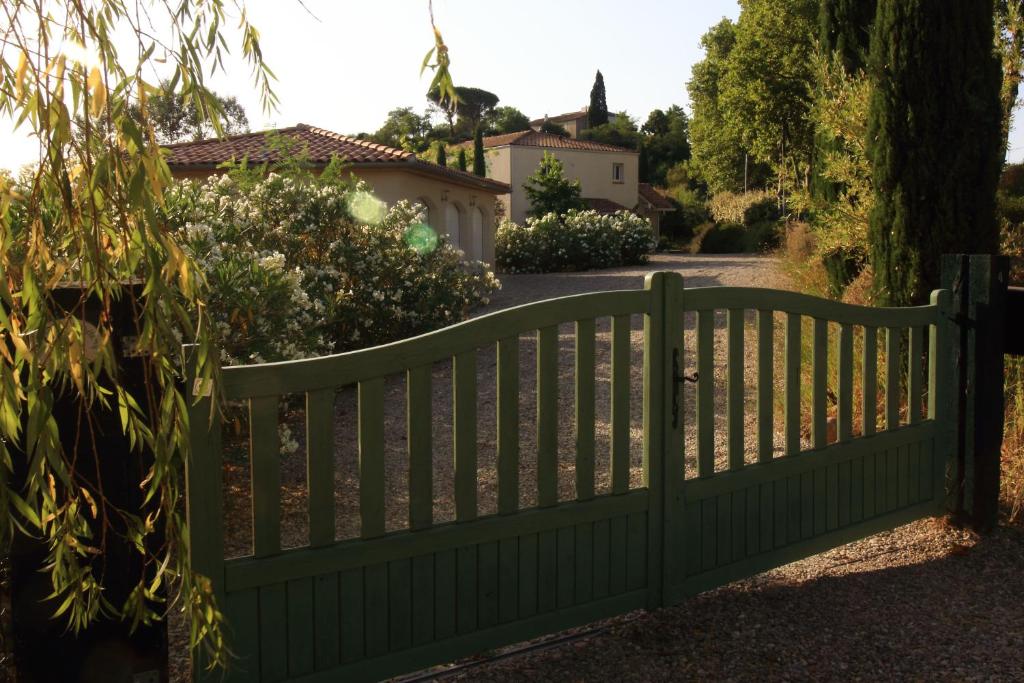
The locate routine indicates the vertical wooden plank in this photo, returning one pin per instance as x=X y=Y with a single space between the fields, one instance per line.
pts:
x=508 y=425
x=892 y=479
x=242 y=614
x=844 y=412
x=466 y=589
x=765 y=385
x=724 y=517
x=488 y=583
x=807 y=505
x=794 y=509
x=820 y=501
x=584 y=559
x=444 y=594
x=326 y=619
x=419 y=438
x=371 y=457
x=869 y=374
x=636 y=567
x=352 y=610
x=265 y=470
x=320 y=465
x=734 y=388
x=400 y=604
x=892 y=377
x=708 y=534
x=739 y=520
x=422 y=599
x=619 y=530
x=694 y=543
x=566 y=574
x=869 y=485
x=705 y=393
x=832 y=496
x=844 y=488
x=273 y=632
x=792 y=416
x=508 y=580
x=547 y=571
x=300 y=627
x=620 y=404
x=857 y=490
x=753 y=520
x=602 y=558
x=375 y=587
x=942 y=396
x=464 y=432
x=912 y=485
x=585 y=409
x=881 y=482
x=547 y=416
x=903 y=476
x=780 y=499
x=528 y=572
x=659 y=428
x=819 y=384
x=915 y=391
x=766 y=517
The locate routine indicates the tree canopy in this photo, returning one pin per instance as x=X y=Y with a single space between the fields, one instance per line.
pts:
x=176 y=120
x=549 y=191
x=597 y=112
x=405 y=129
x=620 y=131
x=666 y=141
x=501 y=120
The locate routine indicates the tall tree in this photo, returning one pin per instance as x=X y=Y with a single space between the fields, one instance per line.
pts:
x=933 y=141
x=405 y=129
x=462 y=160
x=176 y=120
x=720 y=155
x=503 y=120
x=643 y=164
x=479 y=162
x=666 y=140
x=621 y=131
x=1010 y=37
x=597 y=113
x=442 y=155
x=472 y=106
x=549 y=191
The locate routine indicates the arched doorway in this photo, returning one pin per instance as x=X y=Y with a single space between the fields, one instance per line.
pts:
x=451 y=224
x=476 y=229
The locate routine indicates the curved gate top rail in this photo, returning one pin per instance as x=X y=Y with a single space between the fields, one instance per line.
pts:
x=388 y=602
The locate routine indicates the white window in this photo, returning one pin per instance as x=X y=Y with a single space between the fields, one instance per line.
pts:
x=618 y=173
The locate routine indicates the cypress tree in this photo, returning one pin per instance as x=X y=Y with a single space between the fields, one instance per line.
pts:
x=462 y=160
x=933 y=141
x=442 y=156
x=643 y=164
x=479 y=167
x=597 y=113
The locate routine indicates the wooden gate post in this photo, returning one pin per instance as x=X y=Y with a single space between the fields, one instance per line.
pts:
x=978 y=283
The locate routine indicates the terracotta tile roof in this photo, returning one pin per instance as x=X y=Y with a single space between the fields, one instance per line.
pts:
x=602 y=205
x=320 y=146
x=654 y=198
x=532 y=138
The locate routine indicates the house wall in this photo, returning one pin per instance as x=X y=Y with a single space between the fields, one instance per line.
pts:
x=593 y=169
x=475 y=231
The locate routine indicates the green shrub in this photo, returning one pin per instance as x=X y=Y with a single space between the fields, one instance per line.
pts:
x=720 y=238
x=577 y=240
x=691 y=211
x=765 y=235
x=302 y=266
x=744 y=208
x=842 y=266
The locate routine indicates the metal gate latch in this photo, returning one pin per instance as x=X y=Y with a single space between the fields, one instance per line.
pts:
x=677 y=381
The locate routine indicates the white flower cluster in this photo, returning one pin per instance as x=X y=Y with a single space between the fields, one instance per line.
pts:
x=576 y=240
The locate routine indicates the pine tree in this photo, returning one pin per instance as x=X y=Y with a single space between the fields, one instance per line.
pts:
x=597 y=114
x=442 y=155
x=479 y=165
x=933 y=141
x=462 y=160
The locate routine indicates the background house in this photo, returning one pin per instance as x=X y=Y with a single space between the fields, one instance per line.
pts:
x=574 y=122
x=458 y=204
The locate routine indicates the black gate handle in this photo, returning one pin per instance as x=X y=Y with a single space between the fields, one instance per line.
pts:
x=677 y=381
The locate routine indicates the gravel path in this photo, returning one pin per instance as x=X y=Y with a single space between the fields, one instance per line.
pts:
x=893 y=606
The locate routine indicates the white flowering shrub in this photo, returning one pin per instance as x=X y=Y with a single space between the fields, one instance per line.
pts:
x=299 y=266
x=576 y=240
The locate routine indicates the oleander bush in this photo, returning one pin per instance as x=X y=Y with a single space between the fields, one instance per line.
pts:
x=299 y=266
x=574 y=241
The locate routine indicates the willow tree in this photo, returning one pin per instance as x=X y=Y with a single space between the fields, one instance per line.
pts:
x=934 y=141
x=89 y=212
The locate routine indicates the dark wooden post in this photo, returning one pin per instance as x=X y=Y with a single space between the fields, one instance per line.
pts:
x=978 y=283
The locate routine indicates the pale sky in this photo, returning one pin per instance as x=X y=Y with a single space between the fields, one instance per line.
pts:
x=345 y=68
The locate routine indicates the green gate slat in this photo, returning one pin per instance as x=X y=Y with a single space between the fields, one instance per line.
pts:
x=869 y=485
x=419 y=441
x=466 y=598
x=820 y=501
x=819 y=384
x=422 y=599
x=723 y=544
x=273 y=633
x=326 y=620
x=844 y=413
x=806 y=505
x=620 y=352
x=619 y=532
x=869 y=373
x=528 y=573
x=780 y=499
x=915 y=391
x=352 y=611
x=547 y=416
x=300 y=627
x=765 y=385
x=508 y=425
x=792 y=416
x=705 y=393
x=508 y=580
x=584 y=557
x=320 y=465
x=444 y=594
x=708 y=534
x=547 y=571
x=636 y=566
x=734 y=388
x=844 y=489
x=399 y=604
x=585 y=409
x=375 y=587
x=601 y=558
x=892 y=377
x=265 y=459
x=566 y=567
x=242 y=614
x=371 y=457
x=832 y=496
x=464 y=428
x=488 y=584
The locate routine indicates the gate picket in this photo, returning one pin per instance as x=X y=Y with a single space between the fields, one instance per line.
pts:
x=387 y=602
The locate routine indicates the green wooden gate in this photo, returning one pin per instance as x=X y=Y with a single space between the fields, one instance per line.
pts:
x=391 y=602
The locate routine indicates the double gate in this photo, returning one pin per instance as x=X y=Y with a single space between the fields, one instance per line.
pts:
x=388 y=602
